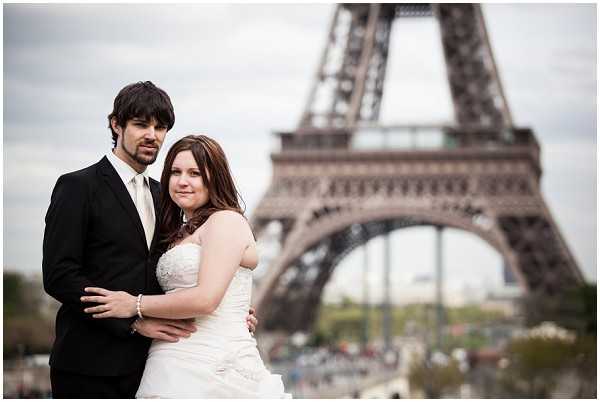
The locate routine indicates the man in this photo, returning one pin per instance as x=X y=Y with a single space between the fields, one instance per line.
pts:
x=101 y=230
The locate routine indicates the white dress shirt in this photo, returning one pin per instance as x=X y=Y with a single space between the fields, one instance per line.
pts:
x=127 y=174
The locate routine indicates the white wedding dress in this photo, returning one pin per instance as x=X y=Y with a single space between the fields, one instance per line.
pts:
x=220 y=359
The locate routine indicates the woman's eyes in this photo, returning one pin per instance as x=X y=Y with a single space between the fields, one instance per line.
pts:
x=192 y=173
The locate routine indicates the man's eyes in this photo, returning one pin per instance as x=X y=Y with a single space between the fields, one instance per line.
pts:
x=141 y=124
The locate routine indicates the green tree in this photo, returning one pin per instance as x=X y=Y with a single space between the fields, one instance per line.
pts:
x=573 y=308
x=14 y=289
x=584 y=361
x=435 y=379
x=28 y=315
x=536 y=362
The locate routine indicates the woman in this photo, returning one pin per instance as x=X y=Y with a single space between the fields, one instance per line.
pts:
x=206 y=273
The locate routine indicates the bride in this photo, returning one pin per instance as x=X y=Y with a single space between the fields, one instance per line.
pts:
x=206 y=273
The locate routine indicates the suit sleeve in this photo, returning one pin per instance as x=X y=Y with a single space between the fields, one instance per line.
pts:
x=63 y=248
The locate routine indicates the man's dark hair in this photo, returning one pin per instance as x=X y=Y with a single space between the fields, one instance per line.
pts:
x=142 y=100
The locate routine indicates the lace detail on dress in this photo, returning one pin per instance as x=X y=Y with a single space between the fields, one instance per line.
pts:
x=178 y=267
x=163 y=273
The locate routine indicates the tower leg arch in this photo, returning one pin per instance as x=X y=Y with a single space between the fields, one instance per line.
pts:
x=289 y=296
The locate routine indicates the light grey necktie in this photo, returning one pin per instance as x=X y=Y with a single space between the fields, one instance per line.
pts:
x=143 y=206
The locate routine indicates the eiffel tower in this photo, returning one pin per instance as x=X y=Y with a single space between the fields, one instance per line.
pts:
x=330 y=193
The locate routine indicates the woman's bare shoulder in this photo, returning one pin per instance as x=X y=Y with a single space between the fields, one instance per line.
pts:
x=228 y=218
x=230 y=222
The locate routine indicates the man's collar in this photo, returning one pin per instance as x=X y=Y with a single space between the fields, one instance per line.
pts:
x=126 y=172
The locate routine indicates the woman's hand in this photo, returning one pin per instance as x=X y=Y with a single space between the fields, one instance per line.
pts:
x=112 y=304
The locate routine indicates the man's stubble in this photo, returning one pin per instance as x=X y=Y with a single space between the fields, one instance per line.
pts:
x=136 y=156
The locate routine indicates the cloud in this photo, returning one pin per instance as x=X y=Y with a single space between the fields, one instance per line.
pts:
x=546 y=54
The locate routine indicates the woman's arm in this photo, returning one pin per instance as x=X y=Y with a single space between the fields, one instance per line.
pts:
x=226 y=238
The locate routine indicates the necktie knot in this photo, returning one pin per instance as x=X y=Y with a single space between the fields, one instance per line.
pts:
x=139 y=180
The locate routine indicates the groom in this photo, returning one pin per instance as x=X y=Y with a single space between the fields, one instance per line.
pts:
x=101 y=230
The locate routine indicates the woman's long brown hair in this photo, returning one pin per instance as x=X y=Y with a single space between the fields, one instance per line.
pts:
x=216 y=176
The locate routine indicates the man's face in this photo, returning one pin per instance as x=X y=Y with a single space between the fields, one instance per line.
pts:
x=139 y=142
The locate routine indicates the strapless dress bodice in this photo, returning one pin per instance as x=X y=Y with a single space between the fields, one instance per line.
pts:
x=178 y=269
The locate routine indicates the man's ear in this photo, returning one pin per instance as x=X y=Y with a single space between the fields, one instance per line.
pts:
x=115 y=126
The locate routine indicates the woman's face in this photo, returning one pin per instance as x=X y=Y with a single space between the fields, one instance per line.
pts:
x=186 y=186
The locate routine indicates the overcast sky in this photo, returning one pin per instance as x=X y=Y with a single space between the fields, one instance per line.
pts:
x=239 y=72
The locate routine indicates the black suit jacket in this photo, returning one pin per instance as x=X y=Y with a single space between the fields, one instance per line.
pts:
x=94 y=237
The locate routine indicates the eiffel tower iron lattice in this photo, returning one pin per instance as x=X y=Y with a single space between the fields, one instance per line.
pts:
x=329 y=194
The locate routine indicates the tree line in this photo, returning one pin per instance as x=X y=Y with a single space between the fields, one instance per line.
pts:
x=29 y=315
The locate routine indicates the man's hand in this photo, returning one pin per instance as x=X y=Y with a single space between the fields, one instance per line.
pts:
x=164 y=330
x=251 y=320
x=110 y=304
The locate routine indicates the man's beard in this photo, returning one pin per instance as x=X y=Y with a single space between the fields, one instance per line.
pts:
x=138 y=157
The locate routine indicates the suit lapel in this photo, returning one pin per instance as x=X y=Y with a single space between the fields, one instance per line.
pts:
x=117 y=186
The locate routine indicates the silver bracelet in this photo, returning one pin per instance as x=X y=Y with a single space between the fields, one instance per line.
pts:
x=138 y=306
